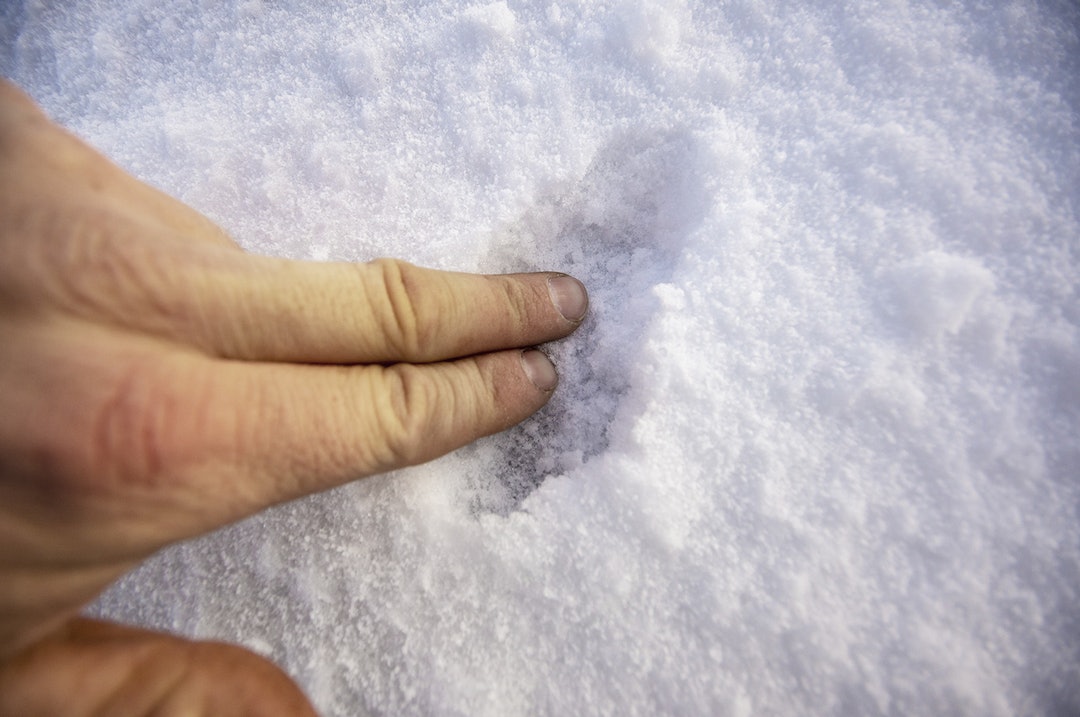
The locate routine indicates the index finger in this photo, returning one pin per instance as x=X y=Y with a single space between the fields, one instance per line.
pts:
x=267 y=309
x=385 y=311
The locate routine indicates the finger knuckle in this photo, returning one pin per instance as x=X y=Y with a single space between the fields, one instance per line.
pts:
x=398 y=301
x=403 y=414
x=99 y=265
x=519 y=302
x=138 y=432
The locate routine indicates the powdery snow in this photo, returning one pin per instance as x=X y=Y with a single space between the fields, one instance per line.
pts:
x=814 y=451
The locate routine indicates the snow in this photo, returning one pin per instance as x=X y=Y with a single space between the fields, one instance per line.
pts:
x=814 y=451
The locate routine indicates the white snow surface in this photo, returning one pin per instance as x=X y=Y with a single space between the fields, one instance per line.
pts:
x=815 y=450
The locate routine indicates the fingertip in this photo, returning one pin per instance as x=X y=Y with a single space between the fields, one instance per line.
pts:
x=540 y=370
x=569 y=297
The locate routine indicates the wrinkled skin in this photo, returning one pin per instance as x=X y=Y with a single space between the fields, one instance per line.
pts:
x=157 y=382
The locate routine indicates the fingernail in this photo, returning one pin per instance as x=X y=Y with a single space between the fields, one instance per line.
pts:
x=539 y=369
x=569 y=296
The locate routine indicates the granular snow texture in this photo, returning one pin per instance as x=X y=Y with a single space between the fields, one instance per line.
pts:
x=815 y=450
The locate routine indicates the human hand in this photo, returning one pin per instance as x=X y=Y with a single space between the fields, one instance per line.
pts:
x=157 y=382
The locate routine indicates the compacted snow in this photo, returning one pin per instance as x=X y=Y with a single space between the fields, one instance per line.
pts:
x=816 y=449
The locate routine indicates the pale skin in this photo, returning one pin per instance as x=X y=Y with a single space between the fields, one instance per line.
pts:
x=157 y=382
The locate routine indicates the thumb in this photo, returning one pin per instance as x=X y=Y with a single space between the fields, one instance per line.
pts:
x=93 y=667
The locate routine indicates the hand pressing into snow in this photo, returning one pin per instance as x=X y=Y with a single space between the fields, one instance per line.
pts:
x=157 y=383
